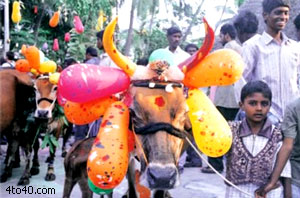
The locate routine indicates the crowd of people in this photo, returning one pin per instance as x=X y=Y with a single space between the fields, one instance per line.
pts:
x=262 y=109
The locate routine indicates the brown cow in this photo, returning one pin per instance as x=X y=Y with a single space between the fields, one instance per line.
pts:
x=16 y=88
x=45 y=95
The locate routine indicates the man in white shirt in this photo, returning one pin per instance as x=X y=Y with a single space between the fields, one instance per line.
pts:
x=174 y=36
x=297 y=25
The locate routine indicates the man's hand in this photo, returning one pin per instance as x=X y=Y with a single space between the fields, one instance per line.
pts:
x=262 y=191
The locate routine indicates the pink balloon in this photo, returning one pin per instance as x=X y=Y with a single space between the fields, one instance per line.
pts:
x=60 y=99
x=86 y=82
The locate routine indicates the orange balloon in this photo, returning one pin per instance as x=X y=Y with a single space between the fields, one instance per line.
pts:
x=108 y=159
x=84 y=113
x=32 y=54
x=54 y=19
x=221 y=67
x=22 y=65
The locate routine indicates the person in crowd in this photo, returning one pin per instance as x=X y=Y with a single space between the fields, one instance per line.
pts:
x=291 y=132
x=224 y=99
x=274 y=58
x=105 y=60
x=10 y=60
x=297 y=25
x=191 y=48
x=256 y=142
x=68 y=62
x=246 y=25
x=174 y=36
x=142 y=61
x=91 y=56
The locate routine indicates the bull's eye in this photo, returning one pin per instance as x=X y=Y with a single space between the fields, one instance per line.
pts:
x=55 y=88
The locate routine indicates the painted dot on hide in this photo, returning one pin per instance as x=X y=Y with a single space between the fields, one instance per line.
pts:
x=84 y=109
x=220 y=150
x=225 y=74
x=229 y=76
x=127 y=67
x=99 y=145
x=121 y=112
x=201 y=119
x=105 y=158
x=114 y=51
x=113 y=167
x=203 y=133
x=212 y=134
x=159 y=101
x=111 y=116
x=104 y=123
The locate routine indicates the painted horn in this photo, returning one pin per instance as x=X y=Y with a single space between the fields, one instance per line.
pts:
x=202 y=52
x=122 y=61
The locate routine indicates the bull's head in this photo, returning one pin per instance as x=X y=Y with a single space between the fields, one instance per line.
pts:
x=159 y=112
x=45 y=95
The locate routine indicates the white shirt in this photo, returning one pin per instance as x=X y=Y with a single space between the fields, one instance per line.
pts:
x=276 y=64
x=179 y=55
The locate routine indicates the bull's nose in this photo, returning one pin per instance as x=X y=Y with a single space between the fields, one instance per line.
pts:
x=42 y=113
x=160 y=177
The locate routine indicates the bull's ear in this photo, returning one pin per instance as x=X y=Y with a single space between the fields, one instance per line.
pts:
x=24 y=78
x=108 y=43
x=202 y=52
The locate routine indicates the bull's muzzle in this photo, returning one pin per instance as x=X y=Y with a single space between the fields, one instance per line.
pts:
x=43 y=114
x=162 y=177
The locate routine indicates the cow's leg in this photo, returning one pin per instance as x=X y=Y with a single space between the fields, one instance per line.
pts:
x=68 y=185
x=50 y=176
x=35 y=161
x=66 y=137
x=12 y=149
x=162 y=194
x=84 y=187
x=24 y=180
x=131 y=193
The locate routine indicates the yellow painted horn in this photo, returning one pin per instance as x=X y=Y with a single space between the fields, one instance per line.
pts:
x=108 y=42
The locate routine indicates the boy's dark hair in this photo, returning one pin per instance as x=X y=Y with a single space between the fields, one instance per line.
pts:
x=142 y=61
x=297 y=22
x=256 y=87
x=99 y=35
x=269 y=5
x=10 y=55
x=92 y=51
x=228 y=29
x=246 y=22
x=173 y=30
x=190 y=45
x=68 y=62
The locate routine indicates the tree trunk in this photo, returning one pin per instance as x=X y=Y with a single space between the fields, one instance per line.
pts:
x=130 y=30
x=36 y=29
x=188 y=31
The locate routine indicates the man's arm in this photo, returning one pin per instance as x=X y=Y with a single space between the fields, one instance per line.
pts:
x=282 y=157
x=289 y=129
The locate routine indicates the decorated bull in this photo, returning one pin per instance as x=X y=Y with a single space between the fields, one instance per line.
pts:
x=160 y=115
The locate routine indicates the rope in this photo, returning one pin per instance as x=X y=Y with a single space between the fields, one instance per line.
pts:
x=219 y=174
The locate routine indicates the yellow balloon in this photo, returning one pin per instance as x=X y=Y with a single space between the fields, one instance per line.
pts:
x=54 y=77
x=222 y=67
x=47 y=67
x=16 y=14
x=211 y=131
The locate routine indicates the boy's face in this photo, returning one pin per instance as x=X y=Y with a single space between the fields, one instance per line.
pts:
x=278 y=18
x=256 y=107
